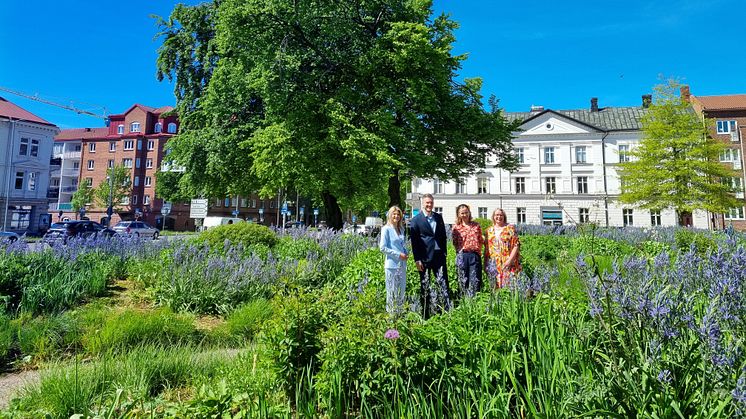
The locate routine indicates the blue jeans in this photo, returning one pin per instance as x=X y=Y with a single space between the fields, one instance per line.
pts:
x=469 y=273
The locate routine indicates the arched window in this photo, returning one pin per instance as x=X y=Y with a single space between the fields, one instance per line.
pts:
x=135 y=127
x=120 y=129
x=172 y=128
x=158 y=127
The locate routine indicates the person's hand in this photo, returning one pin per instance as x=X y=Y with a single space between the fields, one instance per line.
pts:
x=403 y=256
x=507 y=265
x=420 y=266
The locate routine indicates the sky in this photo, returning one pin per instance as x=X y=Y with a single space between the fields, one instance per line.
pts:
x=100 y=56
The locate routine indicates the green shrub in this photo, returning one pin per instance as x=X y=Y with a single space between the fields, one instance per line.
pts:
x=599 y=246
x=45 y=337
x=485 y=223
x=686 y=238
x=245 y=234
x=296 y=249
x=7 y=337
x=131 y=328
x=246 y=320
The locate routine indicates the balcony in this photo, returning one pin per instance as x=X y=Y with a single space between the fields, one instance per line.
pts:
x=53 y=193
x=71 y=155
x=61 y=207
x=70 y=172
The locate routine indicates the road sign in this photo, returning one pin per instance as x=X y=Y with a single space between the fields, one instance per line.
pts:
x=198 y=208
x=166 y=208
x=354 y=218
x=315 y=211
x=285 y=207
x=302 y=209
x=235 y=213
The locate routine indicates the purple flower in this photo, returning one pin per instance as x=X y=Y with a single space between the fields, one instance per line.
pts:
x=664 y=377
x=391 y=334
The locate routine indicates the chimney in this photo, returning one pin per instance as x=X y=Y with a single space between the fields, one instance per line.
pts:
x=537 y=108
x=594 y=104
x=685 y=93
x=646 y=101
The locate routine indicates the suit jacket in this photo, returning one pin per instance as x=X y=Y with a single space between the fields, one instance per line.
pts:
x=428 y=245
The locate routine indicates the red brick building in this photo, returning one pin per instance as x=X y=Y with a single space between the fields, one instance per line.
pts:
x=729 y=115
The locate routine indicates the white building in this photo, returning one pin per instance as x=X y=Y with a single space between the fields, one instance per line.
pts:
x=25 y=151
x=568 y=173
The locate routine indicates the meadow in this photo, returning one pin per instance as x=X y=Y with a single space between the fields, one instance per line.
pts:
x=242 y=321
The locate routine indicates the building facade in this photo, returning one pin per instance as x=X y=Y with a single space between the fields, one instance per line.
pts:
x=25 y=154
x=567 y=173
x=728 y=113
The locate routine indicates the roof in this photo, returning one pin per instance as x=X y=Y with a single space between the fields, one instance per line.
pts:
x=724 y=102
x=81 y=134
x=147 y=109
x=605 y=119
x=10 y=110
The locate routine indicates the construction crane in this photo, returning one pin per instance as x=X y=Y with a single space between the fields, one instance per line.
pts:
x=69 y=107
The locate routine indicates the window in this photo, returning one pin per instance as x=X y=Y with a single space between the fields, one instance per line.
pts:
x=134 y=199
x=31 y=185
x=461 y=186
x=151 y=145
x=551 y=217
x=172 y=128
x=243 y=203
x=730 y=155
x=137 y=163
x=127 y=163
x=725 y=127
x=148 y=181
x=34 y=148
x=227 y=202
x=655 y=217
x=519 y=155
x=20 y=217
x=120 y=129
x=91 y=164
x=135 y=127
x=92 y=147
x=125 y=200
x=520 y=215
x=76 y=165
x=584 y=215
x=129 y=144
x=77 y=147
x=623 y=153
x=734 y=214
x=110 y=164
x=439 y=210
x=580 y=154
x=482 y=211
x=548 y=155
x=158 y=127
x=550 y=185
x=627 y=218
x=148 y=163
x=89 y=181
x=23 y=148
x=437 y=186
x=19 y=180
x=272 y=203
x=137 y=181
x=483 y=185
x=146 y=200
x=112 y=146
x=253 y=203
x=520 y=185
x=139 y=144
x=582 y=184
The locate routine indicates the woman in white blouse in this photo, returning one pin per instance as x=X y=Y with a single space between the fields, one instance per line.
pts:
x=392 y=245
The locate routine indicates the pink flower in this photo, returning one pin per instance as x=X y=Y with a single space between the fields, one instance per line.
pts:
x=391 y=334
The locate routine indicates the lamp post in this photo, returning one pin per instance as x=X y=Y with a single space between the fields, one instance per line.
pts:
x=261 y=215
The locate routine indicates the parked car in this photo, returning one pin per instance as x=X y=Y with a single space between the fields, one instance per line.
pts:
x=137 y=228
x=9 y=236
x=355 y=229
x=79 y=228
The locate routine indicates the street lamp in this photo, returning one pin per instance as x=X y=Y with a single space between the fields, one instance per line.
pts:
x=261 y=215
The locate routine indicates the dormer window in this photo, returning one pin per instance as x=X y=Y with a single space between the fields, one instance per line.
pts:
x=120 y=129
x=158 y=127
x=172 y=128
x=135 y=127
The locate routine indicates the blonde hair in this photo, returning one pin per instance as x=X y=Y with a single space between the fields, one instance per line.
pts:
x=458 y=208
x=398 y=226
x=495 y=212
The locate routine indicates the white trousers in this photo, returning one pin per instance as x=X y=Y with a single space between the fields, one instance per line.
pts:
x=396 y=282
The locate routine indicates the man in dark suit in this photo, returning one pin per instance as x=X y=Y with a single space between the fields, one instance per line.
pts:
x=428 y=234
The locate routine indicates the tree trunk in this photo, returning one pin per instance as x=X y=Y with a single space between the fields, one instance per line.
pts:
x=333 y=212
x=394 y=189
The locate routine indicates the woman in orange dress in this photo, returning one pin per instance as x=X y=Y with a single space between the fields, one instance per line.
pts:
x=502 y=250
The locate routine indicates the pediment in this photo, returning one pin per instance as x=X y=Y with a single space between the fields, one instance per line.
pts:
x=551 y=123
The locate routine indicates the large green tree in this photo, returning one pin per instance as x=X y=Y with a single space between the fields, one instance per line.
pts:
x=337 y=99
x=81 y=197
x=677 y=162
x=117 y=185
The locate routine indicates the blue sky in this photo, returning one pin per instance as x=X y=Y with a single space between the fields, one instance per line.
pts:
x=550 y=53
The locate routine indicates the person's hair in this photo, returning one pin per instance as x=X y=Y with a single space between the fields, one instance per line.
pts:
x=427 y=195
x=398 y=226
x=495 y=212
x=458 y=218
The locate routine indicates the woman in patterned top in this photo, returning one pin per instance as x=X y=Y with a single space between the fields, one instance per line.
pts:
x=502 y=253
x=468 y=241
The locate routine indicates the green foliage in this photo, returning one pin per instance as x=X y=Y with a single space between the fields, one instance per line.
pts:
x=296 y=249
x=246 y=320
x=245 y=234
x=543 y=249
x=484 y=223
x=686 y=238
x=677 y=163
x=599 y=246
x=118 y=185
x=82 y=196
x=7 y=337
x=131 y=328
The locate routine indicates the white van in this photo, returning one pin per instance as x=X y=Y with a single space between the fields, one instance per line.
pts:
x=209 y=222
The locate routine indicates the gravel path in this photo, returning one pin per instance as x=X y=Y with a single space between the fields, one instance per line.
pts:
x=10 y=384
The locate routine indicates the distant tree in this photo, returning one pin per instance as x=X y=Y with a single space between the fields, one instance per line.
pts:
x=677 y=163
x=336 y=99
x=120 y=188
x=82 y=197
